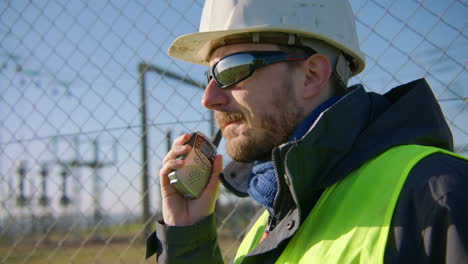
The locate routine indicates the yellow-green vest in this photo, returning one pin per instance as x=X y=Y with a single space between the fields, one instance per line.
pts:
x=351 y=220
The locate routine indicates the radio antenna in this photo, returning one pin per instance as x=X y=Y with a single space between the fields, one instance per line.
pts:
x=217 y=138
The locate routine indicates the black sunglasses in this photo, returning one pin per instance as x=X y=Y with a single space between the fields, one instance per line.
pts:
x=237 y=67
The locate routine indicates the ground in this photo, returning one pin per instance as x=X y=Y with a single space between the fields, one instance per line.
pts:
x=120 y=250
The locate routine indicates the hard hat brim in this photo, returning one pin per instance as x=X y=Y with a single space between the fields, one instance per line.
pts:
x=197 y=47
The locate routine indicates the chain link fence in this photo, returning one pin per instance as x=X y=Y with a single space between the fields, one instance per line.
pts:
x=88 y=94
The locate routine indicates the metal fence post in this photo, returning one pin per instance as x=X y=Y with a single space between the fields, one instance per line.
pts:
x=142 y=68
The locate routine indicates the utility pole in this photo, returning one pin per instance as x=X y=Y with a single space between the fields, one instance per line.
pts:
x=144 y=154
x=96 y=164
x=168 y=140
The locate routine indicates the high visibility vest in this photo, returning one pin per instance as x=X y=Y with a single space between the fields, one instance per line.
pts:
x=351 y=220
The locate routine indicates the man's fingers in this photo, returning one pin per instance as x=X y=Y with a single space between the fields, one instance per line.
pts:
x=167 y=168
x=170 y=162
x=178 y=148
x=176 y=151
x=181 y=140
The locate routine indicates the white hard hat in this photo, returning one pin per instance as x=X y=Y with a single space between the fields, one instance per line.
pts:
x=330 y=21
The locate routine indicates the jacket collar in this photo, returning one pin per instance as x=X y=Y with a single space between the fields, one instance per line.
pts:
x=357 y=128
x=308 y=161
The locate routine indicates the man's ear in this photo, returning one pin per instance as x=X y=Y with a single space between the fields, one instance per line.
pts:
x=317 y=71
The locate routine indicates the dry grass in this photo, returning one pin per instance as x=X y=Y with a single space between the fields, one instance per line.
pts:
x=98 y=253
x=122 y=250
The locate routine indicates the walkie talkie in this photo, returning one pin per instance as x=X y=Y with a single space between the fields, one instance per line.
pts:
x=191 y=179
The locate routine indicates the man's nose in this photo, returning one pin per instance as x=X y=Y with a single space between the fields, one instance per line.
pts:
x=214 y=98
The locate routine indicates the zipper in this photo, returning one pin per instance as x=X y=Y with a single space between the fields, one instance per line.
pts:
x=272 y=221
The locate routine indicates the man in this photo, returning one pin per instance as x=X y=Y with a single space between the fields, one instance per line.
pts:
x=345 y=176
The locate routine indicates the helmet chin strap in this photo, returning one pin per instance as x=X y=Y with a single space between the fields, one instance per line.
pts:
x=341 y=66
x=342 y=71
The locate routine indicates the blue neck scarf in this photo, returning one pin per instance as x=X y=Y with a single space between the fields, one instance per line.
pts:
x=262 y=182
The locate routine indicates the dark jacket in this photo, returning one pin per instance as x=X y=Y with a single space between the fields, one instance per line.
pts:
x=430 y=222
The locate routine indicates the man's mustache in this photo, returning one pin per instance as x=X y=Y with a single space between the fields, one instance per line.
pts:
x=223 y=118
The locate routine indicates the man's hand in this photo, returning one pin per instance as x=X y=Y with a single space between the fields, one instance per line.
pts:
x=178 y=211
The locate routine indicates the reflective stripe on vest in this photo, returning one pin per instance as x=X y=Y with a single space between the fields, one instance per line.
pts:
x=351 y=220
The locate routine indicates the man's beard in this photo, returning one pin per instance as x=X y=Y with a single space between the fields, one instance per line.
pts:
x=257 y=141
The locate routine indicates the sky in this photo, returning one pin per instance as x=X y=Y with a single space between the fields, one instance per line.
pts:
x=69 y=71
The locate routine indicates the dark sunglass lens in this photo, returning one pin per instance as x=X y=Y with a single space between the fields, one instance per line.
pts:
x=232 y=69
